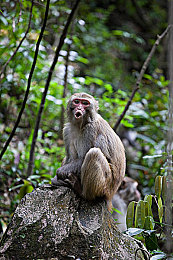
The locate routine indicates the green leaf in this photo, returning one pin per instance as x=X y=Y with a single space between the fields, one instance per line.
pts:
x=98 y=81
x=108 y=87
x=148 y=199
x=134 y=231
x=151 y=241
x=82 y=59
x=130 y=214
x=118 y=211
x=160 y=209
x=152 y=156
x=146 y=139
x=140 y=214
x=158 y=256
x=88 y=80
x=127 y=124
x=122 y=93
x=158 y=186
x=26 y=188
x=2 y=18
x=141 y=113
x=147 y=76
x=33 y=177
x=76 y=39
x=149 y=223
x=117 y=32
x=15 y=187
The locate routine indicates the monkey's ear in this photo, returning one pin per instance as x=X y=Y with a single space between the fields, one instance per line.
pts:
x=96 y=105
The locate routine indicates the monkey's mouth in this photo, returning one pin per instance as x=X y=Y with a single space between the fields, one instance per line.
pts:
x=78 y=114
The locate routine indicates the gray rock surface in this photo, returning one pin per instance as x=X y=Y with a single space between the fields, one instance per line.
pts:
x=54 y=223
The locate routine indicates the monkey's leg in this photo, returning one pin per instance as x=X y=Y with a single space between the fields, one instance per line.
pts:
x=95 y=175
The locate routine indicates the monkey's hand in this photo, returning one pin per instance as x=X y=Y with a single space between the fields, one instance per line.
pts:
x=58 y=182
x=66 y=170
x=72 y=182
x=63 y=172
x=61 y=175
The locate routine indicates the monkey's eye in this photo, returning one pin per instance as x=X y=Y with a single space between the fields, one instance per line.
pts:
x=76 y=101
x=85 y=102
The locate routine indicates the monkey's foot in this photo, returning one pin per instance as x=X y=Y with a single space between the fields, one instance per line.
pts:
x=58 y=182
x=72 y=182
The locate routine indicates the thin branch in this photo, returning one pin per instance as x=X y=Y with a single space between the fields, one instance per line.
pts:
x=20 y=43
x=61 y=42
x=62 y=119
x=66 y=71
x=29 y=81
x=139 y=79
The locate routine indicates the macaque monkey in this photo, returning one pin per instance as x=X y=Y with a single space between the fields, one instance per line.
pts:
x=94 y=165
x=126 y=193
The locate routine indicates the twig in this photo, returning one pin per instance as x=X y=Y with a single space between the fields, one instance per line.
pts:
x=62 y=118
x=29 y=81
x=144 y=67
x=61 y=42
x=64 y=92
x=20 y=43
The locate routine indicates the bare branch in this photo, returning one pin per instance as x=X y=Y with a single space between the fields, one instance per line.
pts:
x=61 y=42
x=138 y=82
x=29 y=81
x=20 y=43
x=62 y=118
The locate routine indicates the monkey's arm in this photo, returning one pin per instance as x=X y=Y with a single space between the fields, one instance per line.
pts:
x=68 y=168
x=72 y=162
x=68 y=175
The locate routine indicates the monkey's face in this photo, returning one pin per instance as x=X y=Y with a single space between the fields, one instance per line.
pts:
x=80 y=106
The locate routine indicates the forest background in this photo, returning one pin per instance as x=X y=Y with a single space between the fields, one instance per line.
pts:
x=103 y=52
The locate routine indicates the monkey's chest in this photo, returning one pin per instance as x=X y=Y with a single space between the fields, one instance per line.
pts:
x=82 y=145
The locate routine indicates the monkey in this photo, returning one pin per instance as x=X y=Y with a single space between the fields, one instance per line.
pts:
x=95 y=162
x=126 y=193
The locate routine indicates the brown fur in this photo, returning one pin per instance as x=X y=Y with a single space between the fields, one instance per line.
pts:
x=94 y=153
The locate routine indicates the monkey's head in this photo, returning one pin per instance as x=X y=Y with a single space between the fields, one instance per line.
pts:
x=81 y=108
x=128 y=190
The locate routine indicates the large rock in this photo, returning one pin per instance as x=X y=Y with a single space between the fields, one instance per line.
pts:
x=54 y=223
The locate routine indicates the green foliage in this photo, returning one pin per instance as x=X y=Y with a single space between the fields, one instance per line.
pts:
x=146 y=217
x=108 y=45
x=26 y=188
x=116 y=210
